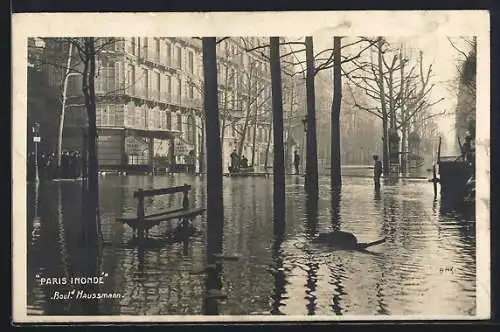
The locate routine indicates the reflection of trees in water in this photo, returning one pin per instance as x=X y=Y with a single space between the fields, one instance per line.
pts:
x=278 y=272
x=311 y=219
x=336 y=273
x=335 y=200
x=311 y=229
x=381 y=281
x=59 y=251
x=249 y=233
x=389 y=219
x=49 y=261
x=312 y=281
x=382 y=308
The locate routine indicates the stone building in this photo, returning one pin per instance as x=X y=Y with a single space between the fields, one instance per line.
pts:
x=149 y=94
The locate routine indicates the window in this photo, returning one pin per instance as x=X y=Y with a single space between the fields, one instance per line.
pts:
x=233 y=101
x=169 y=86
x=157 y=50
x=131 y=79
x=132 y=45
x=191 y=132
x=110 y=77
x=158 y=86
x=179 y=57
x=179 y=88
x=145 y=47
x=169 y=120
x=191 y=91
x=191 y=62
x=169 y=54
x=179 y=122
x=145 y=85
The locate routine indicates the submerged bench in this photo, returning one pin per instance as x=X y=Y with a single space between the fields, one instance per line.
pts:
x=141 y=222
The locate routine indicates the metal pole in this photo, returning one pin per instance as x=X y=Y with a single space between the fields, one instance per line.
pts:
x=37 y=179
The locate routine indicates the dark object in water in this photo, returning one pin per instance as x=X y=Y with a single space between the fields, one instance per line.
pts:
x=344 y=240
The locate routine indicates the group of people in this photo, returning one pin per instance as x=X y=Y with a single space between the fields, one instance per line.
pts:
x=71 y=165
x=237 y=162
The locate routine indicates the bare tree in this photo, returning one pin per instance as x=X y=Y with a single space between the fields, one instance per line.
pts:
x=394 y=100
x=314 y=64
x=466 y=84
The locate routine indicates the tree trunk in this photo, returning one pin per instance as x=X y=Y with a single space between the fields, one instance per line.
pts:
x=254 y=134
x=215 y=208
x=385 y=138
x=224 y=113
x=404 y=150
x=63 y=110
x=247 y=115
x=311 y=177
x=244 y=132
x=278 y=165
x=392 y=111
x=266 y=160
x=91 y=219
x=335 y=169
x=289 y=154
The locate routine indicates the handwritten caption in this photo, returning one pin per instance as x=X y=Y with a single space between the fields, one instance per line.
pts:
x=76 y=288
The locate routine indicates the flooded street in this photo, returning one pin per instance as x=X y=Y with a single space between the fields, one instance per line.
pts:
x=426 y=266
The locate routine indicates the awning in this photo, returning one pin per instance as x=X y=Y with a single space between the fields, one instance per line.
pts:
x=159 y=134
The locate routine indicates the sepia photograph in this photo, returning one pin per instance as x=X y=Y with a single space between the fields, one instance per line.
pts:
x=209 y=169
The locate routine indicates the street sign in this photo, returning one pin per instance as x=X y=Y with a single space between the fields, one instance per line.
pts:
x=37 y=139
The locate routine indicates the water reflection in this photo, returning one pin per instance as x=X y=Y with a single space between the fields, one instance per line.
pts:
x=278 y=273
x=311 y=217
x=335 y=199
x=423 y=238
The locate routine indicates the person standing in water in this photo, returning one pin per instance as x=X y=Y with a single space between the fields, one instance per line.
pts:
x=377 y=171
x=296 y=161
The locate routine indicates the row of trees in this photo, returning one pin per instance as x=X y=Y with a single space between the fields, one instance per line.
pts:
x=381 y=80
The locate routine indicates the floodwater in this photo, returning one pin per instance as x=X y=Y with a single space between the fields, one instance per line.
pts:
x=426 y=267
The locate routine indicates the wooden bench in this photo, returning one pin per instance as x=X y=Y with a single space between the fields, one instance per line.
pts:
x=141 y=223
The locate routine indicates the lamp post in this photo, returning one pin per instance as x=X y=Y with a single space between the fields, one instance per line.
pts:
x=36 y=140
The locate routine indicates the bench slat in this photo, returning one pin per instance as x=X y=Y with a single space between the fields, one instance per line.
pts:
x=155 y=218
x=161 y=191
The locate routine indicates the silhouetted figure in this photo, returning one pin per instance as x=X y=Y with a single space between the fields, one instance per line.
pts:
x=52 y=166
x=65 y=165
x=76 y=164
x=377 y=171
x=244 y=162
x=190 y=162
x=296 y=161
x=467 y=150
x=234 y=161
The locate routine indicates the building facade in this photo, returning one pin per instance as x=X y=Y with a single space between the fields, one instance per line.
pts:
x=149 y=93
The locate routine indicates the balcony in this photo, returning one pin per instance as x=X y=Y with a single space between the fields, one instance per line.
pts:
x=192 y=103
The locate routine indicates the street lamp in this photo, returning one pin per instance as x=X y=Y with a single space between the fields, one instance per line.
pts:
x=36 y=140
